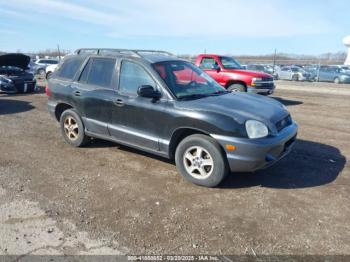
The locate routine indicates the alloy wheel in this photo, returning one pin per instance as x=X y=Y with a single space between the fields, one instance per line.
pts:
x=198 y=162
x=71 y=128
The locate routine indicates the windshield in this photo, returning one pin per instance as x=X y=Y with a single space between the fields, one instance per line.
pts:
x=230 y=63
x=186 y=80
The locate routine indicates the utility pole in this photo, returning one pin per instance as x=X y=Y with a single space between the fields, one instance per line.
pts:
x=274 y=61
x=59 y=53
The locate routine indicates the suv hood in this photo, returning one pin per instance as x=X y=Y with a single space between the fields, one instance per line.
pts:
x=241 y=107
x=17 y=60
x=248 y=72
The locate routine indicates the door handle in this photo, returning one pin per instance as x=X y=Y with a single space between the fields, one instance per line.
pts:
x=77 y=93
x=119 y=102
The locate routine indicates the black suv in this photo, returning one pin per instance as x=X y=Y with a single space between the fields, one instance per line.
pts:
x=156 y=102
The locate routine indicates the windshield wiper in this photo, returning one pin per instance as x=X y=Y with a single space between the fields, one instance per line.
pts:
x=193 y=96
x=218 y=93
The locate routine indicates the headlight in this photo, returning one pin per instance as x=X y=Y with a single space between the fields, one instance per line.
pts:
x=256 y=129
x=4 y=80
x=255 y=80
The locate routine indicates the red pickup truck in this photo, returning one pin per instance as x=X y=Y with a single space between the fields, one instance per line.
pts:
x=229 y=73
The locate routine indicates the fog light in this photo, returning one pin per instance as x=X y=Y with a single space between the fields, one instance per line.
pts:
x=230 y=147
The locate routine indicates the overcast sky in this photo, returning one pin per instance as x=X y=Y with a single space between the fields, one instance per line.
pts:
x=179 y=26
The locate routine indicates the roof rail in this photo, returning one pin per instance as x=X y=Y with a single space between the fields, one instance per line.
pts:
x=131 y=52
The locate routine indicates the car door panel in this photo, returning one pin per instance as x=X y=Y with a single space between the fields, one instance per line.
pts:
x=135 y=121
x=134 y=118
x=95 y=99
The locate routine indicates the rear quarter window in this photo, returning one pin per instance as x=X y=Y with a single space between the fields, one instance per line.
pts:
x=70 y=67
x=99 y=72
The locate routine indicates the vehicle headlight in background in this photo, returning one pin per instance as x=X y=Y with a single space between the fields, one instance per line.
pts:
x=4 y=80
x=256 y=129
x=255 y=81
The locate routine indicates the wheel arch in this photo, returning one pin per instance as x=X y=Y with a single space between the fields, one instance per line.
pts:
x=60 y=108
x=231 y=82
x=179 y=134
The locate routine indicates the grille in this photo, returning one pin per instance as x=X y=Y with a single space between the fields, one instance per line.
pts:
x=265 y=79
x=266 y=82
x=287 y=121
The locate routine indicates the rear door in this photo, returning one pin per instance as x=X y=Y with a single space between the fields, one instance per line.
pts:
x=96 y=93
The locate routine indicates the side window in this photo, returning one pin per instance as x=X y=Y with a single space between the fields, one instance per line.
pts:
x=132 y=76
x=101 y=71
x=208 y=63
x=70 y=67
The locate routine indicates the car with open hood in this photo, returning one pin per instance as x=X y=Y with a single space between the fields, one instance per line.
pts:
x=13 y=75
x=158 y=103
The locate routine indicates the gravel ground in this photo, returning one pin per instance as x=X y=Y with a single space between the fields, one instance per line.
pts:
x=109 y=199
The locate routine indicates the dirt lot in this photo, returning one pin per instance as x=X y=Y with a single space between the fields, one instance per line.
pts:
x=110 y=199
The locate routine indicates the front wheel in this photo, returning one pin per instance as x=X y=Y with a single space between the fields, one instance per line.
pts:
x=72 y=128
x=200 y=160
x=295 y=78
x=237 y=88
x=336 y=80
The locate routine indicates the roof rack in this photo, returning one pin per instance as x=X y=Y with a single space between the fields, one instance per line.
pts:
x=111 y=51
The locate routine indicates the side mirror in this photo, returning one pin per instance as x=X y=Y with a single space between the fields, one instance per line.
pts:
x=217 y=68
x=148 y=92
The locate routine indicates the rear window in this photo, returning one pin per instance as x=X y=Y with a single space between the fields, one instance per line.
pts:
x=70 y=67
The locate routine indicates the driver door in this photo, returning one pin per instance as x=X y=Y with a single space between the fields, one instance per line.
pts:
x=135 y=119
x=212 y=68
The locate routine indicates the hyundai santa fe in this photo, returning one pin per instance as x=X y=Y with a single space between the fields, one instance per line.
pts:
x=156 y=102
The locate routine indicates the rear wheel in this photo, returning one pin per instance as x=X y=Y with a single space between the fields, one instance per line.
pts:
x=237 y=88
x=72 y=128
x=48 y=75
x=201 y=161
x=336 y=80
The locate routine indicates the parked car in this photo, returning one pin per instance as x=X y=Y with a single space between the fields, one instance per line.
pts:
x=13 y=75
x=49 y=70
x=39 y=66
x=333 y=74
x=158 y=103
x=228 y=73
x=268 y=69
x=260 y=68
x=293 y=73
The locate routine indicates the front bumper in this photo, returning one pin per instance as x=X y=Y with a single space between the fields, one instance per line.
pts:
x=261 y=91
x=19 y=87
x=253 y=154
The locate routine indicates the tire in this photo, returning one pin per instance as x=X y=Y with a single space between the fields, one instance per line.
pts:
x=237 y=88
x=41 y=71
x=187 y=158
x=48 y=75
x=336 y=80
x=295 y=78
x=72 y=128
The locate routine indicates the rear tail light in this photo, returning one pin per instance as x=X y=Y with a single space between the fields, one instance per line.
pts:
x=47 y=91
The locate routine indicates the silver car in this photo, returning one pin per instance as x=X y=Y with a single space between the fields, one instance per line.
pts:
x=333 y=74
x=294 y=73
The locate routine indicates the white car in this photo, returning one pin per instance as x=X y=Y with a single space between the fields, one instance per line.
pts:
x=41 y=65
x=49 y=70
